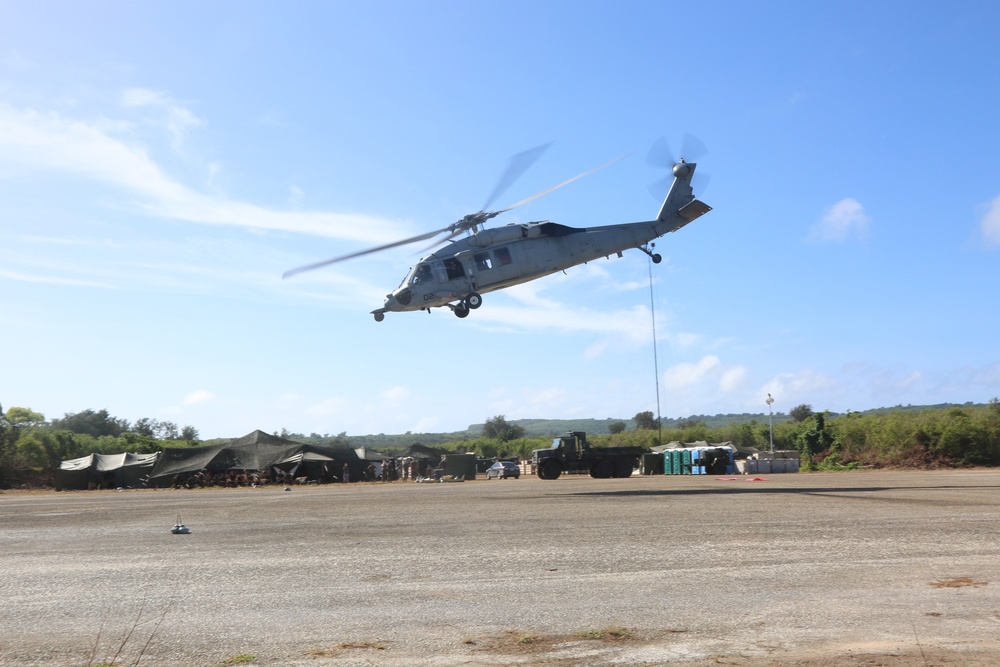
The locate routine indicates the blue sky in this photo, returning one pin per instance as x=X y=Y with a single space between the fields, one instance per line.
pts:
x=162 y=164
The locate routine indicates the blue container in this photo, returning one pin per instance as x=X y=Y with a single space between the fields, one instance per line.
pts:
x=698 y=462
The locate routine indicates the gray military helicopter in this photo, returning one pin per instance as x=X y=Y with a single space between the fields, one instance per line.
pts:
x=485 y=260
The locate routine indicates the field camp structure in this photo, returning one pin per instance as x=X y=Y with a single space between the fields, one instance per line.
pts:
x=276 y=458
x=256 y=452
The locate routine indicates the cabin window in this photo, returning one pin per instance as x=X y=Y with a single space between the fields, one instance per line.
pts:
x=454 y=268
x=503 y=256
x=483 y=261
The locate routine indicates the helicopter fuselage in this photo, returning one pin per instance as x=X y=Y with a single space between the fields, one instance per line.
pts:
x=494 y=259
x=487 y=260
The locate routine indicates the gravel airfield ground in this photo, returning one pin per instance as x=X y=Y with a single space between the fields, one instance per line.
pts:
x=814 y=569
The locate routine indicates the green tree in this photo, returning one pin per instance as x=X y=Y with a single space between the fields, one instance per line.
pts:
x=92 y=423
x=17 y=420
x=144 y=426
x=190 y=433
x=616 y=427
x=167 y=431
x=498 y=428
x=646 y=421
x=800 y=413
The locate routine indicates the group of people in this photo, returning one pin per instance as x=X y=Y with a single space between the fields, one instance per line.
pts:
x=231 y=479
x=389 y=470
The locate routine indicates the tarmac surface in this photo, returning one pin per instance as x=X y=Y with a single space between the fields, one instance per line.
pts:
x=815 y=569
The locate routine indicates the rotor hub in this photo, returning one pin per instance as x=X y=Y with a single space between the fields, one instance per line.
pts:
x=682 y=169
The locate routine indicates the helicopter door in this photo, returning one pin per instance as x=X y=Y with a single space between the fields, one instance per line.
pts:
x=454 y=269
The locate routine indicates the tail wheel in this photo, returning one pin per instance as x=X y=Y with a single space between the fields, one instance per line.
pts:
x=473 y=300
x=461 y=310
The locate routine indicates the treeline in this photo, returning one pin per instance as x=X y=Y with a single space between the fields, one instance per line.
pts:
x=32 y=448
x=914 y=438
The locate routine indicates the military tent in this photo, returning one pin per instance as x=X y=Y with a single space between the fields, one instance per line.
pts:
x=256 y=451
x=125 y=470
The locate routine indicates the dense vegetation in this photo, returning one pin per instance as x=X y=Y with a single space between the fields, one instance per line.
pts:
x=31 y=448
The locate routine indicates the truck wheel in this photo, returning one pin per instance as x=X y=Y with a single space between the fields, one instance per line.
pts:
x=549 y=470
x=603 y=469
x=623 y=468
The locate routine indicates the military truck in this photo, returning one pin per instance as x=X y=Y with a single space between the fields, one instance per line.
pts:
x=570 y=452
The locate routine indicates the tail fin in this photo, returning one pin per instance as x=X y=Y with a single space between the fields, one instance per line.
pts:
x=680 y=207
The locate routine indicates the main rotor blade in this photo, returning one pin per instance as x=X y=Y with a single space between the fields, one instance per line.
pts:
x=327 y=262
x=515 y=169
x=566 y=182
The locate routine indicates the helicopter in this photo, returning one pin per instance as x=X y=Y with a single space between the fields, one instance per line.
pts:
x=486 y=260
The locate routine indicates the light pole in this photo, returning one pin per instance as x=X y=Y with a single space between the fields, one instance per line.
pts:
x=770 y=420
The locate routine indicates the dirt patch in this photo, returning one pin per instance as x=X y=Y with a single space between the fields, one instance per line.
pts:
x=958 y=582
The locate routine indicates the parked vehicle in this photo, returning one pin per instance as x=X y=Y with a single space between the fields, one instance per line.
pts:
x=503 y=470
x=571 y=452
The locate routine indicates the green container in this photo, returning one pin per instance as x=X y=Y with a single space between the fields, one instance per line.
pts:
x=686 y=462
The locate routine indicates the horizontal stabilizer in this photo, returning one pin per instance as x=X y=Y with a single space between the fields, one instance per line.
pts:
x=693 y=210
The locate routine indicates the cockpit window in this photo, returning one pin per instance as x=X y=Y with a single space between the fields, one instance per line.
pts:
x=422 y=274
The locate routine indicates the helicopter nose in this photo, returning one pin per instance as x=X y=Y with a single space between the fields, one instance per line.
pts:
x=402 y=297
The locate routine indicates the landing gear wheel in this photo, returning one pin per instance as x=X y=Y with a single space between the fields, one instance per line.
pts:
x=656 y=258
x=473 y=300
x=461 y=310
x=379 y=316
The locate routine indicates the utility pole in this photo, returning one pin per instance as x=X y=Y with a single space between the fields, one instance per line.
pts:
x=770 y=420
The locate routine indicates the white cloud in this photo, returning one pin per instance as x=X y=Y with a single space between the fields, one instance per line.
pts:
x=842 y=221
x=685 y=374
x=198 y=397
x=142 y=97
x=327 y=407
x=296 y=196
x=790 y=389
x=34 y=142
x=396 y=394
x=989 y=225
x=733 y=379
x=53 y=280
x=177 y=119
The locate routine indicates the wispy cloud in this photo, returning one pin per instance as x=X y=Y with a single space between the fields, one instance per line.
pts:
x=178 y=120
x=989 y=225
x=199 y=397
x=33 y=142
x=843 y=221
x=52 y=280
